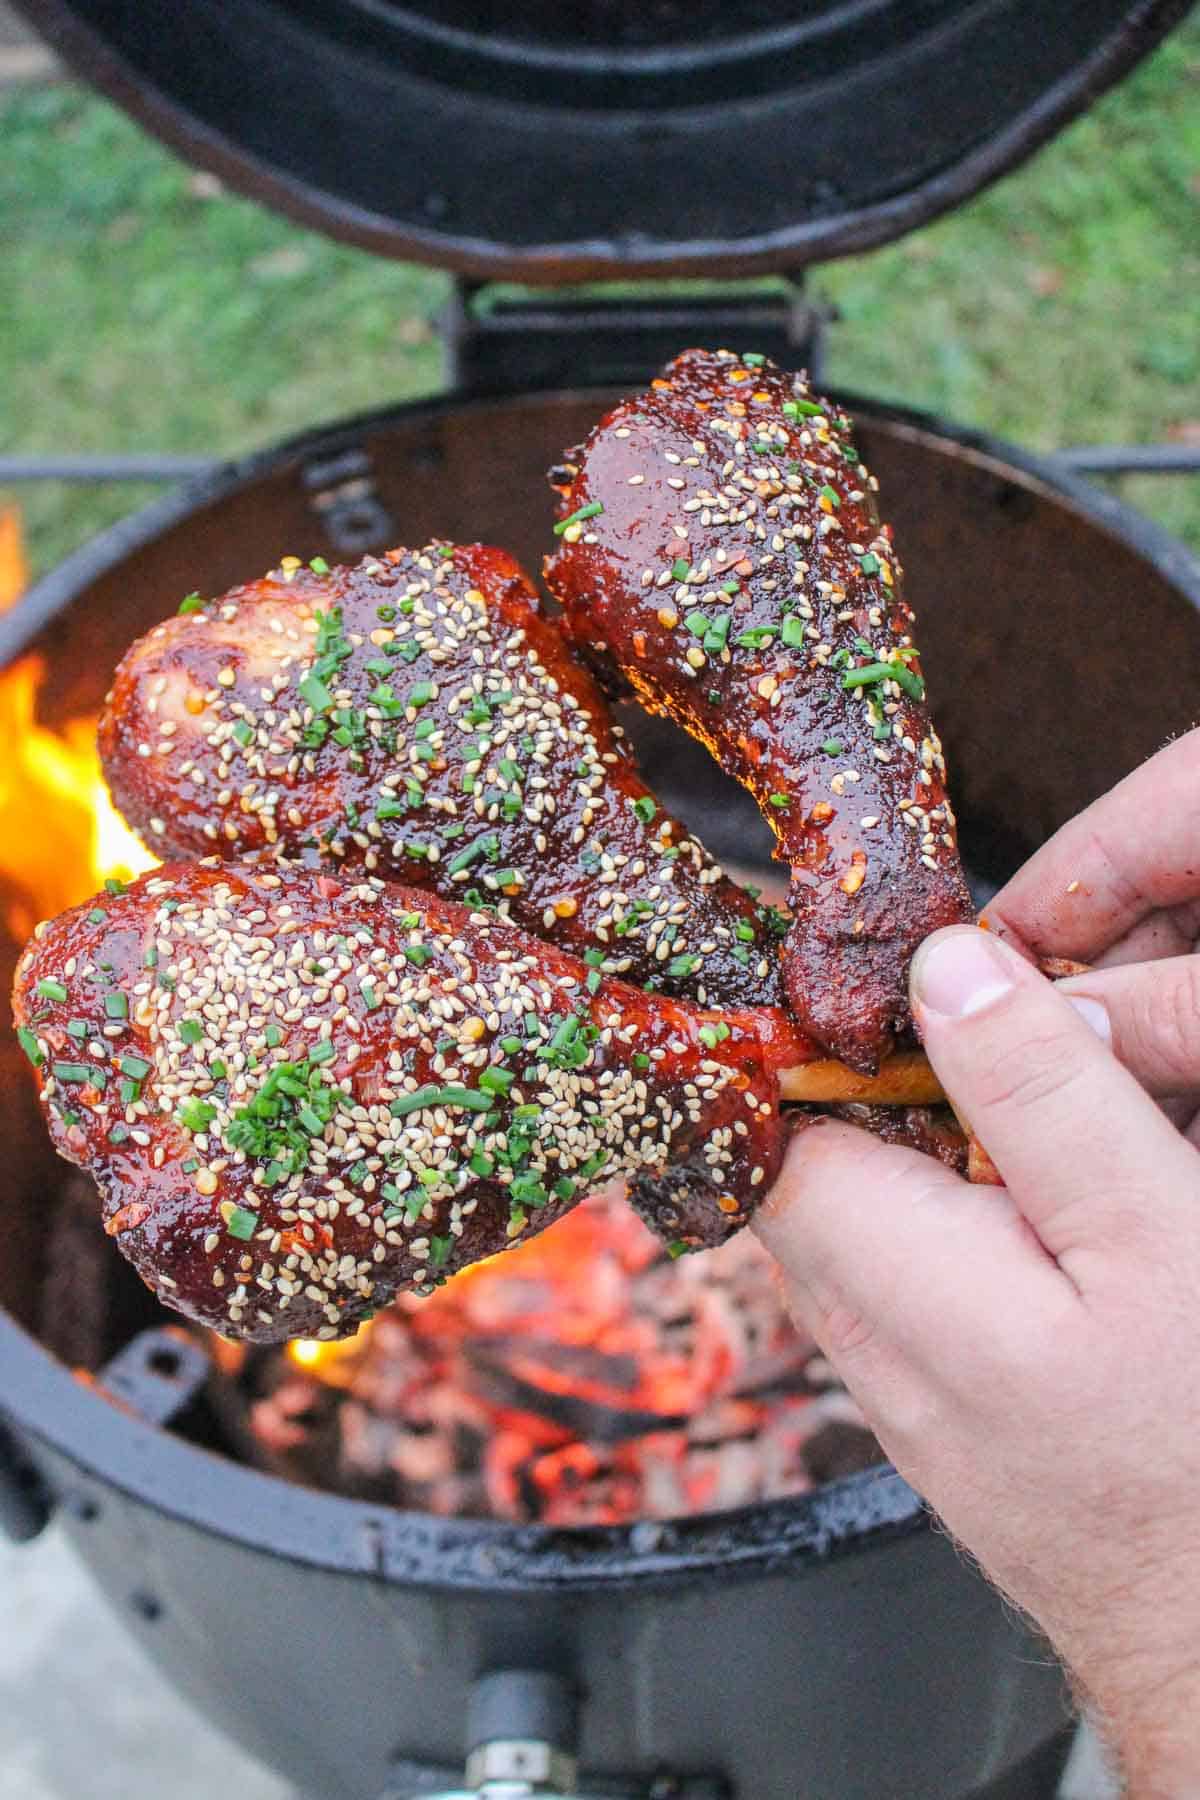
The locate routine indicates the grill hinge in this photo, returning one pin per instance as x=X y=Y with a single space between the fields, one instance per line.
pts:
x=497 y=344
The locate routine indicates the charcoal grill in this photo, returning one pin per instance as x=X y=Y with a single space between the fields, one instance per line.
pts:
x=834 y=1645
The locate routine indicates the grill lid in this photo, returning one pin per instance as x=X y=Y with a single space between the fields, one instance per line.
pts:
x=606 y=137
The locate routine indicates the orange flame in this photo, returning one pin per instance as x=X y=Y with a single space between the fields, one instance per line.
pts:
x=61 y=834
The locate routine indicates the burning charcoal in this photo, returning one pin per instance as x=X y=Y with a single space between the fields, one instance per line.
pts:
x=584 y=1379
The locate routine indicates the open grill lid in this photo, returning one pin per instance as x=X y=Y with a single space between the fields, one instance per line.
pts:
x=606 y=137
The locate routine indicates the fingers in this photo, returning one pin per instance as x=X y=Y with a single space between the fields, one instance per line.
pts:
x=902 y=1272
x=1150 y=1013
x=1080 y=1146
x=1134 y=851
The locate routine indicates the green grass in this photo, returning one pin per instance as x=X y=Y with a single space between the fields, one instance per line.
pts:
x=142 y=310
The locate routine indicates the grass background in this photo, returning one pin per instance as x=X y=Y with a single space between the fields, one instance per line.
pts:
x=143 y=308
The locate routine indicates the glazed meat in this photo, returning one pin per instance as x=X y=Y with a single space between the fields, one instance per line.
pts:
x=720 y=545
x=417 y=717
x=300 y=1094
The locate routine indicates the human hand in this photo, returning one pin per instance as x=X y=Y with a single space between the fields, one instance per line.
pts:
x=1029 y=1356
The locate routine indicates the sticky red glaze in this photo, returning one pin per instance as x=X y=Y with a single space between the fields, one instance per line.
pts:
x=201 y=982
x=705 y=468
x=207 y=743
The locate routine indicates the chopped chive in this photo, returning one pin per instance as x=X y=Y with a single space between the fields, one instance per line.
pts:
x=697 y=623
x=49 y=989
x=590 y=511
x=422 y=694
x=241 y=1223
x=196 y=1115
x=911 y=683
x=29 y=1044
x=470 y=1098
x=801 y=409
x=594 y=979
x=754 y=358
x=869 y=564
x=717 y=633
x=78 y=1028
x=778 y=799
x=119 y=1133
x=644 y=809
x=793 y=632
x=116 y=1006
x=97 y=916
x=481 y=1162
x=318 y=565
x=756 y=637
x=191 y=1030
x=313 y=690
x=677 y=1249
x=414 y=1102
x=832 y=746
x=114 y=885
x=465 y=857
x=496 y=1081
x=417 y=954
x=130 y=1091
x=641 y=1060
x=869 y=674
x=323 y=1052
x=136 y=1067
x=439 y=1250
x=732 y=586
x=71 y=1072
x=712 y=1035
x=681 y=568
x=679 y=966
x=507 y=877
x=832 y=495
x=191 y=603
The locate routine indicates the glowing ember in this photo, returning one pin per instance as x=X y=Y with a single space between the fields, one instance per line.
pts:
x=584 y=1378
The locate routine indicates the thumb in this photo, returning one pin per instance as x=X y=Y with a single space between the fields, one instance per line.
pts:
x=1088 y=1158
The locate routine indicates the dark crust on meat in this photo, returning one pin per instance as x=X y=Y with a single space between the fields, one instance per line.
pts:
x=706 y=471
x=202 y=985
x=207 y=743
x=933 y=1130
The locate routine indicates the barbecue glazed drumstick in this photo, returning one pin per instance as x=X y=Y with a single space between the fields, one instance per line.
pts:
x=299 y=1094
x=418 y=718
x=720 y=544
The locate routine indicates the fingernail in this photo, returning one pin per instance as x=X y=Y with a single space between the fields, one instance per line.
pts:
x=959 y=972
x=1093 y=1013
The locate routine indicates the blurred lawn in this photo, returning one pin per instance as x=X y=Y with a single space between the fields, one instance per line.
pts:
x=141 y=308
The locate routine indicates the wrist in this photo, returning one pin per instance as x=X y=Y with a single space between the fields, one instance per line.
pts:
x=1153 y=1729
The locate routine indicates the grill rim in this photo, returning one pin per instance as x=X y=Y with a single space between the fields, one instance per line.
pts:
x=55 y=1417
